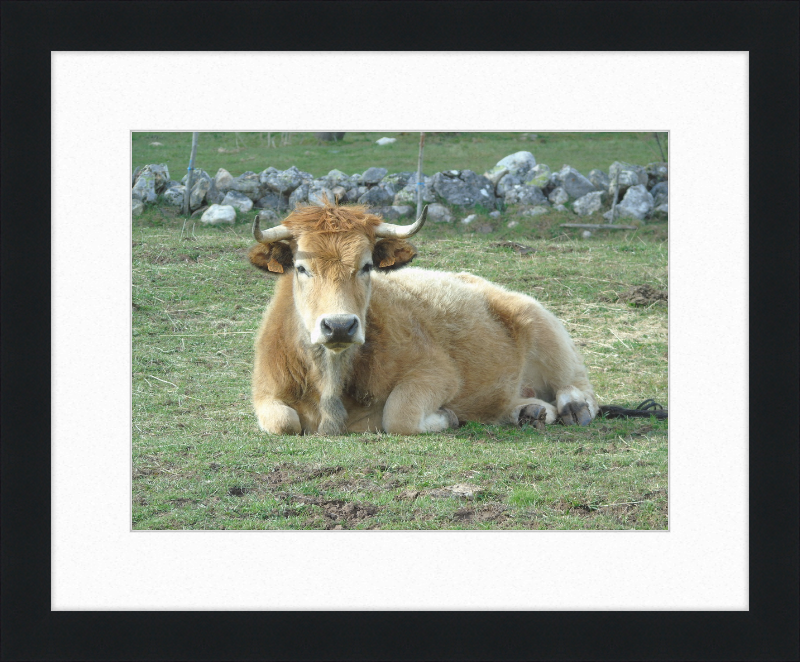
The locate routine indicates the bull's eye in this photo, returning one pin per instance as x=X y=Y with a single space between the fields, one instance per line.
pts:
x=302 y=270
x=366 y=268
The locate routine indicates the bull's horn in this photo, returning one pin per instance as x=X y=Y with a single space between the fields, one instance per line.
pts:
x=402 y=231
x=277 y=233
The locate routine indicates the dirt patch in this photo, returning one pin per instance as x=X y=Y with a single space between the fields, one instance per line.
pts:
x=325 y=471
x=488 y=514
x=238 y=491
x=643 y=295
x=340 y=514
x=460 y=490
x=408 y=495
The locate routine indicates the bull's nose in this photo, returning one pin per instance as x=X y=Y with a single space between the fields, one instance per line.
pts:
x=339 y=328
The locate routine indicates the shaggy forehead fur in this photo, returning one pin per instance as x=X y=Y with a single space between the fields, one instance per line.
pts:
x=314 y=219
x=334 y=255
x=334 y=238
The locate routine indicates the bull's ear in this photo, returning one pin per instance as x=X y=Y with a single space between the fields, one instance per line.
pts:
x=274 y=258
x=392 y=253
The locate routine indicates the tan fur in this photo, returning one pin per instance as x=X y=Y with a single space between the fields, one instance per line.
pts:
x=433 y=342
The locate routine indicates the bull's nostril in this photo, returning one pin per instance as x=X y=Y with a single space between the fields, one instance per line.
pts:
x=339 y=328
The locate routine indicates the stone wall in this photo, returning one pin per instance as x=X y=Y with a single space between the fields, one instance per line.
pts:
x=517 y=183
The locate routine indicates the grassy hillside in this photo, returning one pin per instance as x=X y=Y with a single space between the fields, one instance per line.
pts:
x=478 y=152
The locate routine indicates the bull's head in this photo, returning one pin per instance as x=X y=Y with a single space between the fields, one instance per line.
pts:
x=329 y=253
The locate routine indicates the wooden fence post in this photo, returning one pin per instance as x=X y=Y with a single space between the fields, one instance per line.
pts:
x=189 y=175
x=616 y=195
x=420 y=183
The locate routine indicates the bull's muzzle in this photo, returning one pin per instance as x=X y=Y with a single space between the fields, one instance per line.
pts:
x=339 y=330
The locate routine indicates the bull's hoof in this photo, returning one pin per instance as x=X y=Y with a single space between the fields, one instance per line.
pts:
x=575 y=413
x=534 y=415
x=452 y=419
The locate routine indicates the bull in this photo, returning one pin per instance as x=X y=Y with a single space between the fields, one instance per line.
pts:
x=352 y=342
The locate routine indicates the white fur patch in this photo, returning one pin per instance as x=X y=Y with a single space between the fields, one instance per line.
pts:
x=434 y=423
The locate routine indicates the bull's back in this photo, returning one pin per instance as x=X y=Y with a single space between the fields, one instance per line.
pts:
x=480 y=329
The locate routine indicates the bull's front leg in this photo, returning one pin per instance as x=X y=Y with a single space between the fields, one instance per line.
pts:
x=276 y=417
x=417 y=405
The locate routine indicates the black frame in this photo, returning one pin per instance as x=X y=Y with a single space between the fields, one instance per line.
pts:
x=769 y=630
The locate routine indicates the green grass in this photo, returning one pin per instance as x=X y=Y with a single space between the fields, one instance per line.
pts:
x=200 y=461
x=358 y=151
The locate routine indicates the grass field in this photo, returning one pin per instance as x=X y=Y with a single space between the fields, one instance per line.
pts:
x=357 y=151
x=200 y=461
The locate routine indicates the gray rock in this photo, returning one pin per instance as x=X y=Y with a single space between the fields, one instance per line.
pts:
x=158 y=172
x=199 y=190
x=299 y=195
x=223 y=180
x=494 y=214
x=539 y=175
x=262 y=176
x=249 y=184
x=173 y=196
x=337 y=178
x=558 y=196
x=438 y=213
x=662 y=209
x=197 y=173
x=496 y=174
x=201 y=185
x=629 y=175
x=656 y=173
x=268 y=216
x=171 y=184
x=137 y=207
x=284 y=182
x=470 y=218
x=519 y=164
x=395 y=182
x=466 y=189
x=396 y=212
x=318 y=196
x=599 y=179
x=589 y=204
x=507 y=183
x=553 y=183
x=352 y=195
x=135 y=176
x=560 y=208
x=637 y=203
x=238 y=201
x=271 y=200
x=140 y=190
x=145 y=187
x=377 y=196
x=218 y=214
x=373 y=175
x=214 y=195
x=525 y=195
x=574 y=183
x=408 y=195
x=660 y=193
x=339 y=193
